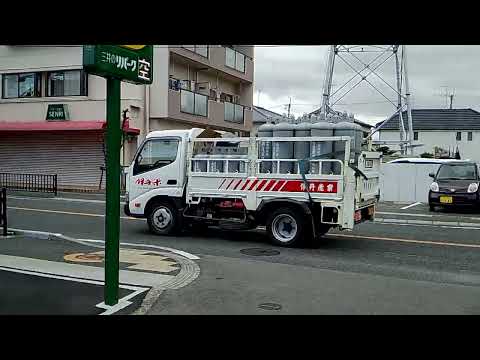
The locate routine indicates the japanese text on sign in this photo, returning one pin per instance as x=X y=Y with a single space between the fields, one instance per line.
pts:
x=313 y=186
x=130 y=63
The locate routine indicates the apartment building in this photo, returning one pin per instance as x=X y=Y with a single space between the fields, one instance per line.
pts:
x=52 y=114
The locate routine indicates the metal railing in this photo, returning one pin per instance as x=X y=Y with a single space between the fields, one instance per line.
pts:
x=193 y=103
x=29 y=182
x=3 y=211
x=234 y=112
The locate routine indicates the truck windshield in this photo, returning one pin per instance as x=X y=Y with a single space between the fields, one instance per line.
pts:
x=156 y=154
x=457 y=172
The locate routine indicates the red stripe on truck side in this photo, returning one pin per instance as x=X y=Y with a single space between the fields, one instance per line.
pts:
x=279 y=185
x=245 y=185
x=259 y=187
x=254 y=182
x=269 y=186
x=238 y=183
x=229 y=184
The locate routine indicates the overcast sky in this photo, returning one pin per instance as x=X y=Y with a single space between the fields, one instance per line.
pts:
x=298 y=72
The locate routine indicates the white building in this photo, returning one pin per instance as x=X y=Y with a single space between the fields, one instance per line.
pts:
x=436 y=129
x=194 y=86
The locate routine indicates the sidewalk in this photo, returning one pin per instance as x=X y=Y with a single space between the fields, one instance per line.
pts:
x=49 y=275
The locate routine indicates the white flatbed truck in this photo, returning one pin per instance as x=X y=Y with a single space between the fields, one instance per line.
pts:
x=174 y=181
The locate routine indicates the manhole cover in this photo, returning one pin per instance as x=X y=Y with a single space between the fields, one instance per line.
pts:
x=259 y=252
x=270 y=306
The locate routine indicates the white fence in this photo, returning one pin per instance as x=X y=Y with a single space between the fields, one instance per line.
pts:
x=406 y=182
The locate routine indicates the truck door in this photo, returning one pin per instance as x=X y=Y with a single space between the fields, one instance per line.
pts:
x=157 y=166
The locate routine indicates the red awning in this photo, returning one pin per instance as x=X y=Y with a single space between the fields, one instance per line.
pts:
x=62 y=126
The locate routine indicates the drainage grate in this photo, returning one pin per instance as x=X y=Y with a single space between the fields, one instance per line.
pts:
x=259 y=252
x=270 y=306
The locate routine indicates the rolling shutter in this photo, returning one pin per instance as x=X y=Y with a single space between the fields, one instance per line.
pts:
x=75 y=156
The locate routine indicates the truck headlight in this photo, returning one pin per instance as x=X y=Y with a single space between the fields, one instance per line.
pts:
x=434 y=187
x=473 y=187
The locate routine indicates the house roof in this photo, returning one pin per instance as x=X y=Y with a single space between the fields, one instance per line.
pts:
x=262 y=115
x=437 y=119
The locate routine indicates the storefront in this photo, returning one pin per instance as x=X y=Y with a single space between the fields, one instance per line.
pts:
x=74 y=150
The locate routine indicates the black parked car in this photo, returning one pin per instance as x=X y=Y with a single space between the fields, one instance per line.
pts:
x=455 y=184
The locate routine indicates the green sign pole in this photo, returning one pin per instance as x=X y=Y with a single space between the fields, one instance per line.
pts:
x=116 y=63
x=112 y=218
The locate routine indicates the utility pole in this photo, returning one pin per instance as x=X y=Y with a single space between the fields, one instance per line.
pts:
x=371 y=58
x=451 y=99
x=407 y=100
x=289 y=107
x=399 y=99
x=327 y=85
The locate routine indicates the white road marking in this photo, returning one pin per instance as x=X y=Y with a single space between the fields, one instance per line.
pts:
x=68 y=212
x=406 y=240
x=94 y=273
x=46 y=234
x=411 y=205
x=431 y=225
x=175 y=251
x=403 y=214
x=427 y=215
x=61 y=199
x=122 y=303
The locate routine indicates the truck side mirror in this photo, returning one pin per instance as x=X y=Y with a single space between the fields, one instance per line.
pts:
x=432 y=175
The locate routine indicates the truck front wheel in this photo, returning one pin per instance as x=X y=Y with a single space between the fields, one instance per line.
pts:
x=287 y=227
x=163 y=219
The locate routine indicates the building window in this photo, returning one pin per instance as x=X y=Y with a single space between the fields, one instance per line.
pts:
x=201 y=50
x=234 y=112
x=21 y=85
x=234 y=59
x=470 y=136
x=193 y=103
x=459 y=135
x=415 y=135
x=67 y=83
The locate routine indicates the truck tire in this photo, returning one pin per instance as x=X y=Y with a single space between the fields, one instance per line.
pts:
x=163 y=219
x=288 y=227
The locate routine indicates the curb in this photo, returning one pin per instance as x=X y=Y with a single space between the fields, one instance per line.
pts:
x=461 y=224
x=188 y=273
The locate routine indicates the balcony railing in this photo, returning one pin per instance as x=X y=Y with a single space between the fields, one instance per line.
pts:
x=201 y=50
x=234 y=113
x=234 y=59
x=193 y=103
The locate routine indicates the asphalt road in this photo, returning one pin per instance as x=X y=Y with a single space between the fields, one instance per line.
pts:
x=379 y=268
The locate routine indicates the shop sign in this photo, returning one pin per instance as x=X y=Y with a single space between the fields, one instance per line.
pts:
x=57 y=112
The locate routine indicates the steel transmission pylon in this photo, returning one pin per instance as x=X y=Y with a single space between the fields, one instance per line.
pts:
x=358 y=53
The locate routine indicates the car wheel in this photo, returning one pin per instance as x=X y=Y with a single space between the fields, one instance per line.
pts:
x=287 y=227
x=163 y=219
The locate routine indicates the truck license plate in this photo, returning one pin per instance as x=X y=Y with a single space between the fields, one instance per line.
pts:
x=446 y=199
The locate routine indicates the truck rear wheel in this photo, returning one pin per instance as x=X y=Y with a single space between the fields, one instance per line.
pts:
x=163 y=219
x=287 y=227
